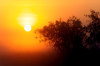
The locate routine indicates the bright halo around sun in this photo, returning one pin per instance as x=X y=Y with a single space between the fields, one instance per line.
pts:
x=27 y=28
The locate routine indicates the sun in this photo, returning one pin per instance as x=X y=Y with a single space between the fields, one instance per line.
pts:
x=27 y=28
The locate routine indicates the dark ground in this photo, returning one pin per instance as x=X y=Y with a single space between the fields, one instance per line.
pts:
x=50 y=59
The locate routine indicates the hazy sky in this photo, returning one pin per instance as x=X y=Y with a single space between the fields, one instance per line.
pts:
x=12 y=34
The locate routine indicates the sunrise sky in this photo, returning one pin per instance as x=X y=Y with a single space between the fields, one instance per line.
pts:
x=15 y=14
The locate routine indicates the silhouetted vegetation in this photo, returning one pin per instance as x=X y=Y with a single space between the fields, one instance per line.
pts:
x=64 y=35
x=71 y=37
x=93 y=29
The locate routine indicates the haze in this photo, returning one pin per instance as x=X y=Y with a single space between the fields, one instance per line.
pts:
x=13 y=37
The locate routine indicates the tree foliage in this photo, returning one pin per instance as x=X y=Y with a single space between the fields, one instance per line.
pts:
x=93 y=28
x=68 y=35
x=64 y=35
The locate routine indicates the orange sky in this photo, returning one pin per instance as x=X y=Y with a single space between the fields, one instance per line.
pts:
x=12 y=33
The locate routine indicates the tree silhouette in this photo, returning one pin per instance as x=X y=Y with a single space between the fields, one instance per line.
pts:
x=93 y=29
x=70 y=37
x=65 y=36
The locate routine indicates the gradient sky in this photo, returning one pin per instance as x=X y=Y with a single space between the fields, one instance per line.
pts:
x=12 y=33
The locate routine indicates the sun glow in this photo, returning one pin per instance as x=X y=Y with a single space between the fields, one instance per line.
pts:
x=27 y=28
x=27 y=17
